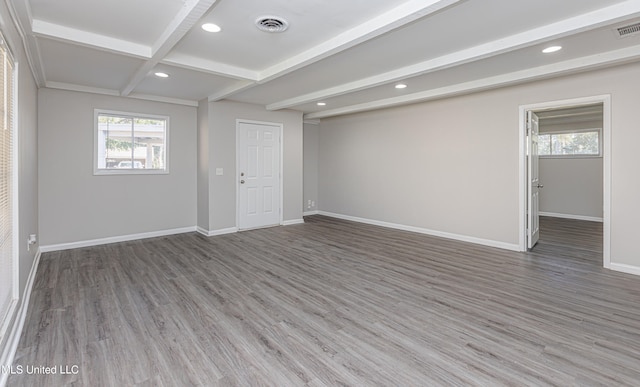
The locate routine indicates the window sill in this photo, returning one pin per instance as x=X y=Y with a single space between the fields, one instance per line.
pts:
x=117 y=172
x=571 y=157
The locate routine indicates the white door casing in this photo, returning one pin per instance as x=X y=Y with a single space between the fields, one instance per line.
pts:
x=258 y=174
x=605 y=99
x=533 y=216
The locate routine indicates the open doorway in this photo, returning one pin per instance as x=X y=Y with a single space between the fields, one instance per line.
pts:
x=565 y=175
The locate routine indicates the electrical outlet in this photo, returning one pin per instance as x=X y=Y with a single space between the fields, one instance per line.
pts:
x=31 y=240
x=313 y=204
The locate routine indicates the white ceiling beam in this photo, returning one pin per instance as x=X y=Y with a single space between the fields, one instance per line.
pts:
x=112 y=92
x=235 y=88
x=81 y=88
x=397 y=17
x=616 y=57
x=159 y=98
x=581 y=23
x=20 y=12
x=210 y=67
x=89 y=39
x=189 y=14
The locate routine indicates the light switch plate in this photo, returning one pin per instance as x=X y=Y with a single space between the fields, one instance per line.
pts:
x=219 y=171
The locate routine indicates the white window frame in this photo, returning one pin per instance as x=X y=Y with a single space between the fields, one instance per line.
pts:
x=107 y=172
x=574 y=156
x=15 y=226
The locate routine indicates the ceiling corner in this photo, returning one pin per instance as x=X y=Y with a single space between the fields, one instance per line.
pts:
x=20 y=13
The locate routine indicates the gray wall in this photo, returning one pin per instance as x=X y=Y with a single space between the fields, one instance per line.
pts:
x=438 y=166
x=452 y=165
x=310 y=167
x=221 y=133
x=27 y=160
x=572 y=186
x=77 y=206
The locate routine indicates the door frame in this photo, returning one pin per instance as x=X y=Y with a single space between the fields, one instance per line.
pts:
x=606 y=160
x=236 y=176
x=533 y=206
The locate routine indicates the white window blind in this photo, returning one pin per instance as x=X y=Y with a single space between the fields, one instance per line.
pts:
x=7 y=262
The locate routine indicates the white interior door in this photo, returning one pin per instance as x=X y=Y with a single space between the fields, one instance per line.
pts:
x=533 y=216
x=258 y=174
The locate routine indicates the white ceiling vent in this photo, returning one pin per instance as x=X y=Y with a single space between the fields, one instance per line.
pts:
x=632 y=29
x=271 y=24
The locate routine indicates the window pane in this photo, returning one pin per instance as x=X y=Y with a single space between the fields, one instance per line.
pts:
x=150 y=143
x=581 y=143
x=131 y=143
x=114 y=142
x=544 y=144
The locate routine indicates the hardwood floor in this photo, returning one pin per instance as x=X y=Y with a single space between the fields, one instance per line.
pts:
x=328 y=303
x=575 y=235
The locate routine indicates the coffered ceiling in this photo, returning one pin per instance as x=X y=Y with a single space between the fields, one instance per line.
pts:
x=348 y=55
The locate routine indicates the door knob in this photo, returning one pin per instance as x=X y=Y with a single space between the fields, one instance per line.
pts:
x=540 y=186
x=241 y=181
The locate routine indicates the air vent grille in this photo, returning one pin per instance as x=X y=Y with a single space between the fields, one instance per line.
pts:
x=271 y=24
x=628 y=30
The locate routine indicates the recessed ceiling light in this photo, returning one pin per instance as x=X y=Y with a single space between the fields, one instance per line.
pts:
x=551 y=49
x=210 y=27
x=401 y=86
x=161 y=75
x=322 y=104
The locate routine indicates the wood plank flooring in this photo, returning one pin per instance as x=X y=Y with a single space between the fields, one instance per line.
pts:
x=330 y=303
x=574 y=235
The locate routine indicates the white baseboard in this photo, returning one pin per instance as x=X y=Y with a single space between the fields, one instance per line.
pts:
x=629 y=269
x=122 y=238
x=11 y=345
x=231 y=230
x=309 y=213
x=570 y=216
x=441 y=234
x=292 y=222
x=221 y=231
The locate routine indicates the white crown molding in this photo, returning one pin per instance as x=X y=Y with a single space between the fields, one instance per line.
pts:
x=81 y=88
x=610 y=58
x=193 y=10
x=20 y=12
x=580 y=23
x=158 y=98
x=89 y=39
x=116 y=93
